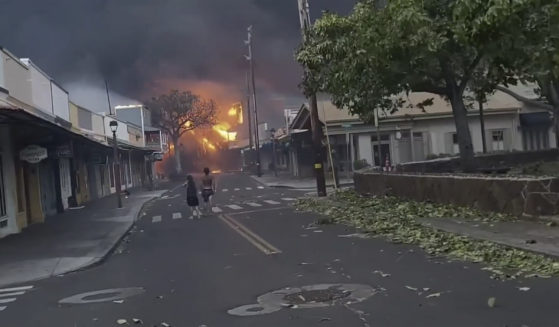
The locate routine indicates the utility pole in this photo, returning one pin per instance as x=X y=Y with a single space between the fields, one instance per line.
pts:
x=109 y=98
x=305 y=20
x=255 y=107
x=249 y=115
x=482 y=125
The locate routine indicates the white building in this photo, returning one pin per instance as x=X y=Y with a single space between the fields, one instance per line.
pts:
x=413 y=134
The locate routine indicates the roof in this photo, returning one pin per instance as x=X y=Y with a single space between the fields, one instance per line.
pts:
x=498 y=102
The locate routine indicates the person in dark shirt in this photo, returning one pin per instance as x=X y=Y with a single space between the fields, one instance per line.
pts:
x=192 y=197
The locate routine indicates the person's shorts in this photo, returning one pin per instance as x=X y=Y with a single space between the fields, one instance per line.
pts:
x=206 y=194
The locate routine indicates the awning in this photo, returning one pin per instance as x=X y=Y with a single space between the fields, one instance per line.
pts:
x=535 y=119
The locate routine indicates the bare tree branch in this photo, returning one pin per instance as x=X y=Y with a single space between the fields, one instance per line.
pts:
x=525 y=100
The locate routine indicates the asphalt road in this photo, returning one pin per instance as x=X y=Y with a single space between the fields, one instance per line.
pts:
x=192 y=272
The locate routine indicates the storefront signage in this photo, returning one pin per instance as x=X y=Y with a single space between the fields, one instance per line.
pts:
x=64 y=151
x=33 y=154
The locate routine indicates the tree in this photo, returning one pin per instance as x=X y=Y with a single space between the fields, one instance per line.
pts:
x=538 y=61
x=374 y=57
x=179 y=112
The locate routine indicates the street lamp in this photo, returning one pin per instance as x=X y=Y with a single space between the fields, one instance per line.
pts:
x=273 y=139
x=116 y=163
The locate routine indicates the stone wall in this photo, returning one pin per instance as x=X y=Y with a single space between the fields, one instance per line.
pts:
x=491 y=160
x=516 y=196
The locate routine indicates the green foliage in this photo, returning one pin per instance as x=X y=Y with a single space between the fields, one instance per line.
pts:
x=374 y=57
x=397 y=220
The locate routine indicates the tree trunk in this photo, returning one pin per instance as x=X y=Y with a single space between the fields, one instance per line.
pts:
x=482 y=125
x=554 y=99
x=462 y=130
x=177 y=154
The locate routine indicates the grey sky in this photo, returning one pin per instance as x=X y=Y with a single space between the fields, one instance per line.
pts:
x=146 y=46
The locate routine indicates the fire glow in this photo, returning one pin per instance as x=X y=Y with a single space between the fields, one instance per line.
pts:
x=223 y=130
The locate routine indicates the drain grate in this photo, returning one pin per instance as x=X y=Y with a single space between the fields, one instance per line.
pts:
x=330 y=295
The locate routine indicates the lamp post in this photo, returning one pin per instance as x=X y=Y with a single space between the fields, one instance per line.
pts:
x=116 y=165
x=273 y=139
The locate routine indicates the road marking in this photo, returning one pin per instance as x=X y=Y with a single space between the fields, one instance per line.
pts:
x=216 y=210
x=248 y=188
x=253 y=204
x=271 y=202
x=177 y=215
x=225 y=190
x=156 y=219
x=15 y=289
x=237 y=189
x=288 y=199
x=249 y=235
x=246 y=212
x=260 y=187
x=234 y=207
x=11 y=294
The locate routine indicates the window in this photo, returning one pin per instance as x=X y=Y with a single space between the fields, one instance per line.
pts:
x=498 y=140
x=455 y=146
x=3 y=209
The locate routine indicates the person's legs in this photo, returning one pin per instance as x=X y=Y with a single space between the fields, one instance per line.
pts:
x=193 y=211
x=198 y=211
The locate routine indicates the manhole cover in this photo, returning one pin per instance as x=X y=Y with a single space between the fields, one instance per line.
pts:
x=306 y=297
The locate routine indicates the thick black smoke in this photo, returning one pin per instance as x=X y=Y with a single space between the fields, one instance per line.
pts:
x=144 y=46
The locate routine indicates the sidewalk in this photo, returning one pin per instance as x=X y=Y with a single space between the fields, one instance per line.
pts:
x=526 y=235
x=69 y=241
x=285 y=180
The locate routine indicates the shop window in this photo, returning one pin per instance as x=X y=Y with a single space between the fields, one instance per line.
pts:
x=455 y=146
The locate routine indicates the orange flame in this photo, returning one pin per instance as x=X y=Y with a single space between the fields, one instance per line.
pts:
x=223 y=130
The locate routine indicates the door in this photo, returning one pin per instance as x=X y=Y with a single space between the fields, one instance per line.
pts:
x=385 y=152
x=48 y=188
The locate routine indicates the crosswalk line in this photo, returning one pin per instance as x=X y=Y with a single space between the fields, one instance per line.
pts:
x=288 y=199
x=11 y=294
x=225 y=190
x=156 y=219
x=254 y=204
x=216 y=210
x=234 y=207
x=271 y=202
x=9 y=300
x=177 y=215
x=248 y=188
x=16 y=289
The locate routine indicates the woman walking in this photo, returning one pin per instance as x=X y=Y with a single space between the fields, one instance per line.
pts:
x=192 y=197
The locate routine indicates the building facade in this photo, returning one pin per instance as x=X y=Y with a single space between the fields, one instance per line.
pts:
x=55 y=154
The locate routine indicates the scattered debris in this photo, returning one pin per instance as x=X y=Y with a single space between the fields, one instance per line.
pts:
x=531 y=241
x=305 y=263
x=164 y=324
x=304 y=235
x=491 y=302
x=356 y=235
x=159 y=297
x=118 y=301
x=317 y=231
x=433 y=295
x=122 y=322
x=137 y=321
x=523 y=289
x=378 y=272
x=325 y=319
x=415 y=289
x=551 y=224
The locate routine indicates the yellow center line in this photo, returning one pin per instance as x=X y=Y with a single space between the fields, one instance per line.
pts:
x=249 y=235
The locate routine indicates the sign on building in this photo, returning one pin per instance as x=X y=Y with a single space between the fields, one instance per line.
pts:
x=33 y=154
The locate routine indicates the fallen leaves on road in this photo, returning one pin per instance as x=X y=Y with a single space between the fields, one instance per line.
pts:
x=397 y=220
